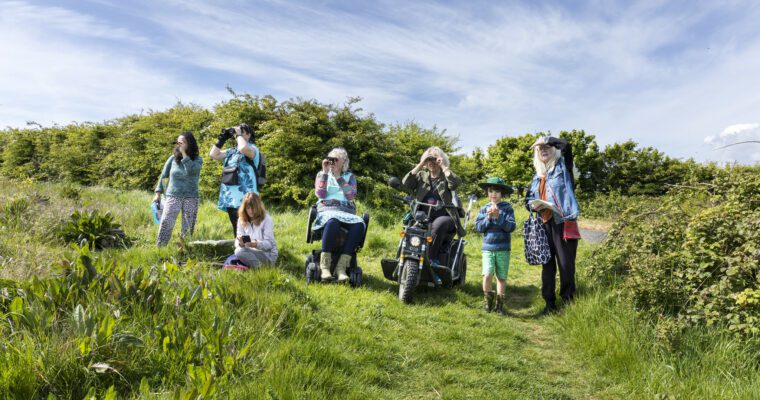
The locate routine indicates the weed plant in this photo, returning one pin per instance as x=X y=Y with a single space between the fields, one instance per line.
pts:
x=144 y=322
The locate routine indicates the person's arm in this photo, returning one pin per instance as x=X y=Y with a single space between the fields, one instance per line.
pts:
x=411 y=180
x=348 y=188
x=216 y=152
x=267 y=230
x=320 y=185
x=248 y=149
x=482 y=222
x=164 y=174
x=452 y=180
x=240 y=232
x=567 y=153
x=507 y=219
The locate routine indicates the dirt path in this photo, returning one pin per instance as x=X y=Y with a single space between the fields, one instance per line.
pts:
x=593 y=235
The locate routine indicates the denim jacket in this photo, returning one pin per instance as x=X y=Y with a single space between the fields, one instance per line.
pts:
x=559 y=190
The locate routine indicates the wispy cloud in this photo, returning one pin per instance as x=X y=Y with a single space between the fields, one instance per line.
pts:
x=737 y=143
x=658 y=73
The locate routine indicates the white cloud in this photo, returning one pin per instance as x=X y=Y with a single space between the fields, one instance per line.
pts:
x=738 y=128
x=730 y=145
x=645 y=71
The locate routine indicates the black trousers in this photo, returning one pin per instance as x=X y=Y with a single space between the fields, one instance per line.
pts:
x=563 y=255
x=442 y=227
x=233 y=214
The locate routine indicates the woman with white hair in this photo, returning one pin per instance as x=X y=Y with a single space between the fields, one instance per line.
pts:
x=436 y=184
x=553 y=184
x=335 y=187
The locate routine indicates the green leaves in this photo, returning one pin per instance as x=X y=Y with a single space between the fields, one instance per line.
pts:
x=694 y=257
x=93 y=229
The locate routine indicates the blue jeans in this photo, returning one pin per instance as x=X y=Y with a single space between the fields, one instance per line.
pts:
x=330 y=236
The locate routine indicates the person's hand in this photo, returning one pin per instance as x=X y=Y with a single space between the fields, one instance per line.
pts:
x=157 y=199
x=441 y=165
x=325 y=165
x=223 y=136
x=253 y=243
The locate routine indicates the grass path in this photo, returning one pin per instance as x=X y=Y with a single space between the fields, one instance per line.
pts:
x=444 y=345
x=368 y=342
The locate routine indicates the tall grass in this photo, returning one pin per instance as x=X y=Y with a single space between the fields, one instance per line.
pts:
x=319 y=341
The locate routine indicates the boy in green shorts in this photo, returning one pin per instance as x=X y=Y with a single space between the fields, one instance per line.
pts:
x=496 y=221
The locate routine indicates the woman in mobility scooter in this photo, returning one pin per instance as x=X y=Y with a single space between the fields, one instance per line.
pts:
x=428 y=254
x=436 y=185
x=334 y=220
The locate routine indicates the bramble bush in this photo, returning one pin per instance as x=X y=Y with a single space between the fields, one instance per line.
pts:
x=695 y=257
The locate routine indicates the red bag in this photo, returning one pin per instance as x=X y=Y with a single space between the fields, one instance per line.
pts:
x=570 y=230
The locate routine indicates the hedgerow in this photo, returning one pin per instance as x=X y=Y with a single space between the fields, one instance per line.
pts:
x=694 y=259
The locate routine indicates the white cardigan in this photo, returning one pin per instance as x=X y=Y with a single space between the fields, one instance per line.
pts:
x=263 y=234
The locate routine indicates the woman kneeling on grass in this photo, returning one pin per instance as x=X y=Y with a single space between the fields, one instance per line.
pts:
x=255 y=243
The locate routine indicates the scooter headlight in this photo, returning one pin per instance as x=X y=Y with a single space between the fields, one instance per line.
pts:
x=415 y=241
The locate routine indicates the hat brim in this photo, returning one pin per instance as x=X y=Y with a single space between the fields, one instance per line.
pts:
x=504 y=188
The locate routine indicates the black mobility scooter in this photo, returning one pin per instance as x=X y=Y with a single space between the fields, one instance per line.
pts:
x=313 y=273
x=412 y=266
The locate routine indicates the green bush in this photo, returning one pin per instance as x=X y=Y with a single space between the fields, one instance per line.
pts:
x=695 y=257
x=13 y=211
x=98 y=231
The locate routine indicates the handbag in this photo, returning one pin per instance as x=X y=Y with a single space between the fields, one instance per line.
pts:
x=230 y=176
x=537 y=250
x=570 y=230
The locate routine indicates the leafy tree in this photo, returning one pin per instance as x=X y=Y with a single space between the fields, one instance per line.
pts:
x=511 y=159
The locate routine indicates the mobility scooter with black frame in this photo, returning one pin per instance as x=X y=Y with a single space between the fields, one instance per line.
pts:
x=412 y=267
x=313 y=273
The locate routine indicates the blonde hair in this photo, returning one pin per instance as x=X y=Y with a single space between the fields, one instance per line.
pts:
x=440 y=153
x=259 y=212
x=341 y=153
x=541 y=167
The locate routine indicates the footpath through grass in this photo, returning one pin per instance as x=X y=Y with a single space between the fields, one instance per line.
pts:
x=266 y=334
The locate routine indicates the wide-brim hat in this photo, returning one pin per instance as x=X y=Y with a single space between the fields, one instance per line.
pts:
x=496 y=182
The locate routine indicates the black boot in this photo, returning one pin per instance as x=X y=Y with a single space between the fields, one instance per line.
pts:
x=488 y=298
x=499 y=308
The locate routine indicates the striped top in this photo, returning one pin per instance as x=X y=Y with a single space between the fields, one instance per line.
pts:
x=497 y=234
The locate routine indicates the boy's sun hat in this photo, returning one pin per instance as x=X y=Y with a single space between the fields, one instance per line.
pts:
x=496 y=182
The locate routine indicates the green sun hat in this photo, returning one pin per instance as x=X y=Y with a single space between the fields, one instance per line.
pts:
x=496 y=182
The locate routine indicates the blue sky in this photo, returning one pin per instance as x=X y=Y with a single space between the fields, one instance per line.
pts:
x=682 y=76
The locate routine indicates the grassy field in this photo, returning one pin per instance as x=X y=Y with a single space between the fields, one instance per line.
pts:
x=266 y=334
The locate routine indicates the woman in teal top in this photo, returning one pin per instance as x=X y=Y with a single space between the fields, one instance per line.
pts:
x=243 y=156
x=335 y=187
x=182 y=170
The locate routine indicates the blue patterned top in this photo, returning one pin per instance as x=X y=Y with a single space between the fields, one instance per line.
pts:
x=231 y=196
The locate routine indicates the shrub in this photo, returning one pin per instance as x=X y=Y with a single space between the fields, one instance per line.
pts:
x=71 y=192
x=694 y=258
x=13 y=211
x=98 y=230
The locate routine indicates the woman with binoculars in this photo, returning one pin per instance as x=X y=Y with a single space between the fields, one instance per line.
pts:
x=436 y=184
x=335 y=187
x=238 y=176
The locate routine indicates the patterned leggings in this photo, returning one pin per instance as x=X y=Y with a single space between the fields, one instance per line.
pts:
x=172 y=207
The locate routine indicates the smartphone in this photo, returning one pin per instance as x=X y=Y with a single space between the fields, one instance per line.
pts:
x=246 y=239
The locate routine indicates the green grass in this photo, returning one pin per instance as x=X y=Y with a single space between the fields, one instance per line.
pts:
x=323 y=341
